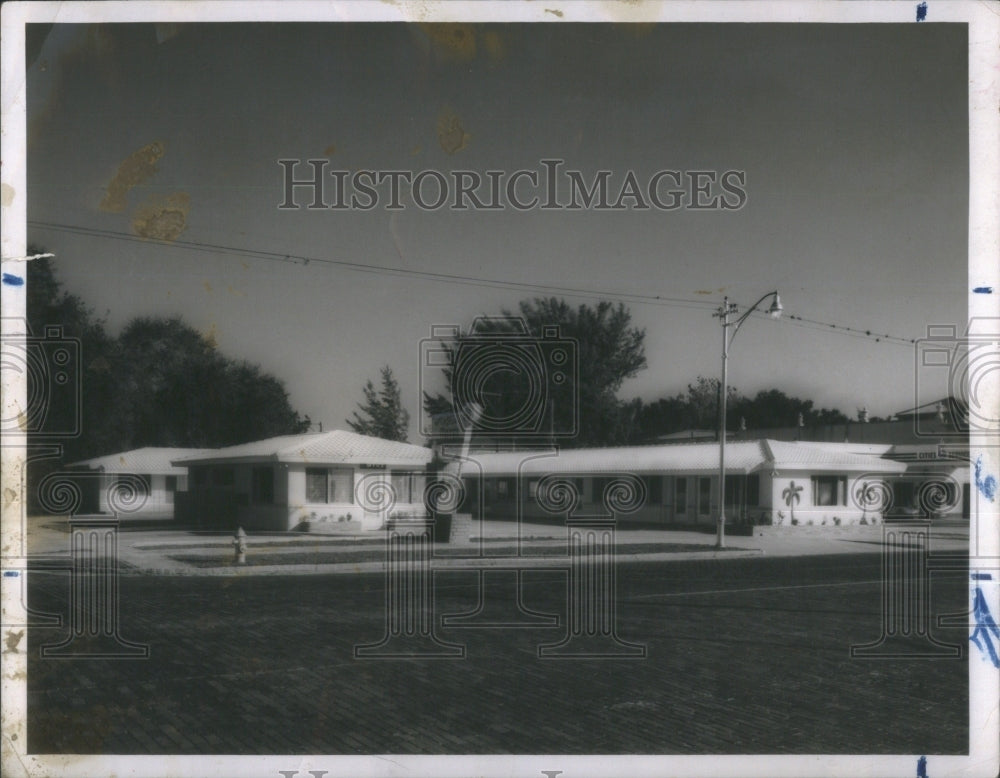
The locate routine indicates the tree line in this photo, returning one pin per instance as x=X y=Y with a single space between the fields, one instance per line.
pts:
x=159 y=382
x=585 y=408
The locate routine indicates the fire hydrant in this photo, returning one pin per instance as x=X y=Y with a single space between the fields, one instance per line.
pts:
x=240 y=546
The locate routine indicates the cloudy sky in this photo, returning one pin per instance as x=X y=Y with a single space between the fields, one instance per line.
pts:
x=853 y=140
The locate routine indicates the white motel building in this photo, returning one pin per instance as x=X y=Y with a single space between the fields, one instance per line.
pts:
x=341 y=481
x=335 y=479
x=146 y=473
x=768 y=482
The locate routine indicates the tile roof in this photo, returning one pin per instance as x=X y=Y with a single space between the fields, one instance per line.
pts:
x=151 y=459
x=829 y=456
x=741 y=457
x=335 y=446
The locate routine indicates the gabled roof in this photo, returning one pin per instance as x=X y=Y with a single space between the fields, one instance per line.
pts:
x=151 y=459
x=333 y=447
x=694 y=458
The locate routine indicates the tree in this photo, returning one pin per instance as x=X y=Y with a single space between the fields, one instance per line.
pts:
x=382 y=414
x=159 y=383
x=516 y=369
x=791 y=496
x=54 y=314
x=699 y=409
x=176 y=389
x=773 y=408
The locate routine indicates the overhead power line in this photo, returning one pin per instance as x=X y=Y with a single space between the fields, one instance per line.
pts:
x=361 y=267
x=462 y=280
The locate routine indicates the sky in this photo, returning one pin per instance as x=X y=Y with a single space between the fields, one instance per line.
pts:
x=853 y=140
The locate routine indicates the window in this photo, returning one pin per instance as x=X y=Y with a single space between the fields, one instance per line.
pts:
x=599 y=484
x=742 y=492
x=904 y=494
x=681 y=495
x=654 y=489
x=262 y=485
x=316 y=484
x=408 y=487
x=341 y=486
x=734 y=491
x=400 y=486
x=753 y=490
x=704 y=495
x=327 y=485
x=170 y=486
x=829 y=490
x=503 y=489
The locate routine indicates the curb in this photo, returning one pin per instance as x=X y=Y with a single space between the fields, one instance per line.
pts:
x=438 y=563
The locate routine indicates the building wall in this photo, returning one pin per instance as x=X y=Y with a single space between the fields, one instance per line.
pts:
x=159 y=502
x=935 y=489
x=662 y=504
x=287 y=504
x=301 y=509
x=807 y=510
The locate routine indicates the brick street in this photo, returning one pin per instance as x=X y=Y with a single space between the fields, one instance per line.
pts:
x=742 y=656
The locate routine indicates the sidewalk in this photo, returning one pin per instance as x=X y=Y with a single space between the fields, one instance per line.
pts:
x=167 y=551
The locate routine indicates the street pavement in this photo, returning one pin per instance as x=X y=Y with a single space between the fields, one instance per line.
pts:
x=742 y=654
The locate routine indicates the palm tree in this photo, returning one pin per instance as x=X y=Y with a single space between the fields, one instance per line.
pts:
x=791 y=496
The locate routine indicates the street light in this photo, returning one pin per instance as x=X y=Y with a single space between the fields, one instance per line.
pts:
x=723 y=313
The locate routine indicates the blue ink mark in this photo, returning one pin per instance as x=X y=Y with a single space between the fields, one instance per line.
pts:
x=984 y=626
x=987 y=486
x=983 y=290
x=10 y=573
x=12 y=280
x=982 y=577
x=921 y=12
x=922 y=767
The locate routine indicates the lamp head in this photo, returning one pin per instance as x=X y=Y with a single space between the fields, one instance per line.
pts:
x=775 y=310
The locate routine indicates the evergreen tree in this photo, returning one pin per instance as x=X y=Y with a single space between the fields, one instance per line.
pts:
x=382 y=414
